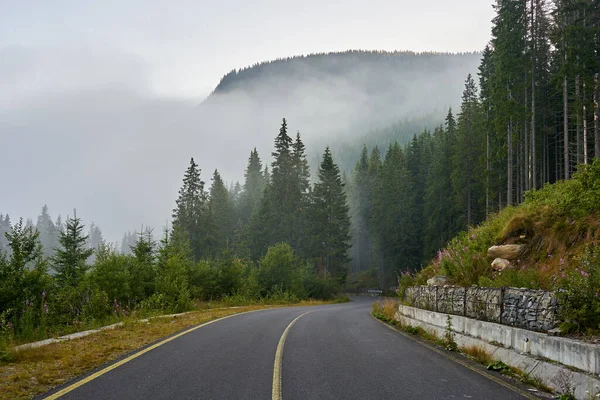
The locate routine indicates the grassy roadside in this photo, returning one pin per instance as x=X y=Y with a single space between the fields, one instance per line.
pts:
x=386 y=311
x=34 y=371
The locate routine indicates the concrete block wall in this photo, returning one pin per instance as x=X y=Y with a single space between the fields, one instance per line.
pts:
x=538 y=354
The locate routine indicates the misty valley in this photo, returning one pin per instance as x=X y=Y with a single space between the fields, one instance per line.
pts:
x=297 y=181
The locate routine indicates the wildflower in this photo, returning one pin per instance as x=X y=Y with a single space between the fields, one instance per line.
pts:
x=27 y=302
x=518 y=261
x=562 y=261
x=46 y=308
x=563 y=275
x=439 y=253
x=44 y=294
x=473 y=236
x=549 y=255
x=583 y=273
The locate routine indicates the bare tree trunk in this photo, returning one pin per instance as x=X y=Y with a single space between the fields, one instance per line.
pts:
x=557 y=169
x=525 y=161
x=585 y=143
x=566 y=129
x=533 y=66
x=518 y=166
x=509 y=167
x=596 y=119
x=543 y=177
x=487 y=166
x=578 y=120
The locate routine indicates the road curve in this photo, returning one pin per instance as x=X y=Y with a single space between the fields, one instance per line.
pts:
x=332 y=352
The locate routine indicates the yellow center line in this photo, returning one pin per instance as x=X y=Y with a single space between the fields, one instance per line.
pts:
x=278 y=365
x=103 y=371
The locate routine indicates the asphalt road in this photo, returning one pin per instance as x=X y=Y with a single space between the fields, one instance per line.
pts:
x=332 y=352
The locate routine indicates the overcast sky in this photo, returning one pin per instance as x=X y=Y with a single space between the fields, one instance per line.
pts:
x=93 y=92
x=187 y=45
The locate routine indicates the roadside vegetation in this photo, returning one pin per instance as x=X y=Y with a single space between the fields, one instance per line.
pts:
x=559 y=226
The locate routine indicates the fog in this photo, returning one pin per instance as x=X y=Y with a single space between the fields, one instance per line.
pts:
x=83 y=129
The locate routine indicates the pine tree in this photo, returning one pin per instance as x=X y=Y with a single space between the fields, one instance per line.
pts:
x=274 y=221
x=300 y=197
x=439 y=207
x=508 y=82
x=47 y=230
x=360 y=200
x=221 y=212
x=466 y=175
x=190 y=217
x=70 y=258
x=22 y=271
x=5 y=227
x=143 y=269
x=254 y=186
x=128 y=241
x=95 y=237
x=331 y=229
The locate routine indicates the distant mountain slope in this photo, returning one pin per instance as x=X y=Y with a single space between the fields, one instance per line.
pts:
x=340 y=97
x=372 y=71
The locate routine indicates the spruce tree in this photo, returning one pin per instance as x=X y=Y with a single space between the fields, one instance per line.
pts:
x=191 y=215
x=331 y=226
x=274 y=220
x=47 y=230
x=300 y=197
x=5 y=227
x=467 y=172
x=439 y=208
x=22 y=271
x=70 y=258
x=360 y=199
x=221 y=213
x=254 y=186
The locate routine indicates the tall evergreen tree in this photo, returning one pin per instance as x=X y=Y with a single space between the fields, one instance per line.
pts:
x=221 y=212
x=277 y=219
x=467 y=171
x=70 y=258
x=439 y=207
x=331 y=228
x=5 y=227
x=254 y=186
x=47 y=230
x=190 y=215
x=360 y=200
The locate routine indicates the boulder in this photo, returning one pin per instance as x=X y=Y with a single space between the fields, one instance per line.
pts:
x=439 y=280
x=506 y=251
x=500 y=263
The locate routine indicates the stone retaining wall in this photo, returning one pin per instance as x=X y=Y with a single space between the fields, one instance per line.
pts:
x=523 y=308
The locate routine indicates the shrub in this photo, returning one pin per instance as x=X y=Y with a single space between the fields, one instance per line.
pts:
x=579 y=299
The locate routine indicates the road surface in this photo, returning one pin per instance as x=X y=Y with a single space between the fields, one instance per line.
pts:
x=329 y=352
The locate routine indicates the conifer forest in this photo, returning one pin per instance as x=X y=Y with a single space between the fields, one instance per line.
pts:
x=355 y=216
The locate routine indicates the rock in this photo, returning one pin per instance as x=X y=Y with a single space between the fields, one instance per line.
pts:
x=555 y=332
x=506 y=251
x=439 y=280
x=500 y=263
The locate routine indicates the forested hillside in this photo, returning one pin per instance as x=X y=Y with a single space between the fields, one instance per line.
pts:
x=341 y=100
x=529 y=117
